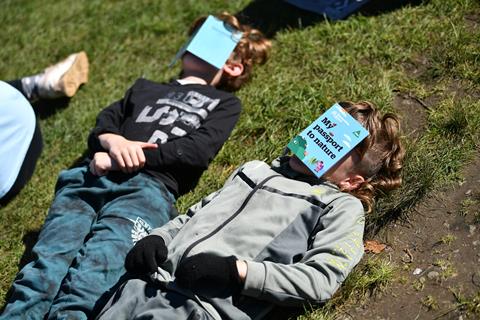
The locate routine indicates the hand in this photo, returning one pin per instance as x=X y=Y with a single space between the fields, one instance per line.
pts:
x=208 y=267
x=128 y=154
x=147 y=255
x=101 y=164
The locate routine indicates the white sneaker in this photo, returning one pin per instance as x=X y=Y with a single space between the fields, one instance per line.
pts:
x=64 y=78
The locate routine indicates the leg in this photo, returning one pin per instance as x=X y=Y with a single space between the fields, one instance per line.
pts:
x=17 y=84
x=140 y=203
x=28 y=165
x=66 y=226
x=59 y=80
x=138 y=299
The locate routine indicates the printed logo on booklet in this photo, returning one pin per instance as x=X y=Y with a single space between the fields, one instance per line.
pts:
x=327 y=140
x=213 y=42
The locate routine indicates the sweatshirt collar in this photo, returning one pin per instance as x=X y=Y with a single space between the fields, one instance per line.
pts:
x=281 y=166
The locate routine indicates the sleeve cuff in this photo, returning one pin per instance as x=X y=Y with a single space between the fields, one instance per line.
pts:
x=255 y=280
x=167 y=238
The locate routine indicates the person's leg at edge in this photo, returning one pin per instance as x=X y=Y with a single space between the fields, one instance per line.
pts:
x=17 y=84
x=59 y=80
x=68 y=223
x=28 y=165
x=140 y=204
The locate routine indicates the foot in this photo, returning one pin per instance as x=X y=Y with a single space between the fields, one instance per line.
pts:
x=65 y=77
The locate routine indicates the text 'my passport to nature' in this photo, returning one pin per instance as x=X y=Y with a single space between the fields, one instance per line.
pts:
x=327 y=140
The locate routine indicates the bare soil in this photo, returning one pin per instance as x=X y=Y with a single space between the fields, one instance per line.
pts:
x=437 y=253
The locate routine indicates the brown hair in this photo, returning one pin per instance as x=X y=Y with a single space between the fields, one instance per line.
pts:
x=253 y=48
x=381 y=153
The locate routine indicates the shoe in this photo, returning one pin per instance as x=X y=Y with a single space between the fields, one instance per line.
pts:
x=64 y=78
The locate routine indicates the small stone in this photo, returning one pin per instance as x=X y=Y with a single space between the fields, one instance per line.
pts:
x=476 y=243
x=446 y=225
x=456 y=251
x=432 y=275
x=460 y=317
x=469 y=192
x=417 y=271
x=472 y=229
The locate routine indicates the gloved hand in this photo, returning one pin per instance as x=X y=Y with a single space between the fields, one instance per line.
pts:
x=147 y=254
x=210 y=268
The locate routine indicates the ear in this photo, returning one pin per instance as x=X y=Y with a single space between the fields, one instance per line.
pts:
x=233 y=68
x=351 y=183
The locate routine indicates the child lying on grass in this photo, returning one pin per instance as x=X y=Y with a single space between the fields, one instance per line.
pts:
x=146 y=149
x=273 y=235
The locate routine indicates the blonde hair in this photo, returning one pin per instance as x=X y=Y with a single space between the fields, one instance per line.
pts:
x=381 y=153
x=253 y=48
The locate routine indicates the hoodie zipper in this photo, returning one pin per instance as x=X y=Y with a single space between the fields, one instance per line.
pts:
x=236 y=213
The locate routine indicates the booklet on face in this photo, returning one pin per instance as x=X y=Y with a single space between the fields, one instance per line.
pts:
x=213 y=42
x=327 y=140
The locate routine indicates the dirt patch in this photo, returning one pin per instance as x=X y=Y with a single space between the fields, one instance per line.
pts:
x=472 y=20
x=460 y=90
x=438 y=253
x=416 y=67
x=413 y=114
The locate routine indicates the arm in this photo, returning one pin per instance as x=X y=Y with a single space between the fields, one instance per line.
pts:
x=171 y=228
x=336 y=249
x=106 y=136
x=109 y=120
x=102 y=163
x=127 y=154
x=151 y=251
x=198 y=148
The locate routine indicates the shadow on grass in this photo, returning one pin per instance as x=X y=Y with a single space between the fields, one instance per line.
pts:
x=29 y=240
x=81 y=160
x=45 y=108
x=416 y=185
x=272 y=16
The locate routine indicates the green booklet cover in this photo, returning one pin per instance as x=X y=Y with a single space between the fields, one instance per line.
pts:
x=327 y=140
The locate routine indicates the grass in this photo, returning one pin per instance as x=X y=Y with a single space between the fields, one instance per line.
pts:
x=447 y=270
x=419 y=284
x=430 y=52
x=371 y=277
x=430 y=302
x=448 y=239
x=470 y=207
x=470 y=305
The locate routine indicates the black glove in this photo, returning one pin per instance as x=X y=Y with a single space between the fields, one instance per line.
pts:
x=207 y=268
x=146 y=255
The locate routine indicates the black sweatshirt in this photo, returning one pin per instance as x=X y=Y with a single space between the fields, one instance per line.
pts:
x=189 y=123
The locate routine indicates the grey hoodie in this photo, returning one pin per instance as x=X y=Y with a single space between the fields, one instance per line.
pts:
x=299 y=236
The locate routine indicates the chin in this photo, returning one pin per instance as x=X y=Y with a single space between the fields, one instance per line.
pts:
x=298 y=166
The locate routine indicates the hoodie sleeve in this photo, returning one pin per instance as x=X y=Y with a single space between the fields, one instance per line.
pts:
x=170 y=229
x=336 y=249
x=198 y=148
x=109 y=120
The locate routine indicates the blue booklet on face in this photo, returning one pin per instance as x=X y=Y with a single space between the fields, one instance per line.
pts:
x=334 y=9
x=213 y=42
x=327 y=140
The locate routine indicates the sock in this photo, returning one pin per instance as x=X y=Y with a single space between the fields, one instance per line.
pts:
x=30 y=86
